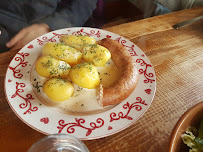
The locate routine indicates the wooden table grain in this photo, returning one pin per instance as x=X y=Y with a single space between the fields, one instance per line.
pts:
x=177 y=57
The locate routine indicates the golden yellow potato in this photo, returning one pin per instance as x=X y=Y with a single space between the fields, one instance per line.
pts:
x=62 y=52
x=77 y=41
x=47 y=66
x=97 y=54
x=85 y=75
x=58 y=89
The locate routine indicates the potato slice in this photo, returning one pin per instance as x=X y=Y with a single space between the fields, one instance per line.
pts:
x=77 y=41
x=47 y=66
x=97 y=54
x=62 y=52
x=85 y=75
x=58 y=89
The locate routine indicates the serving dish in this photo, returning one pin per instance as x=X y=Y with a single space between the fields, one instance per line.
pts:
x=32 y=111
x=191 y=117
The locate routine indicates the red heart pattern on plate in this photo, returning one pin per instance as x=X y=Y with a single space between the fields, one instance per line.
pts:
x=9 y=80
x=108 y=36
x=45 y=120
x=148 y=91
x=30 y=46
x=109 y=128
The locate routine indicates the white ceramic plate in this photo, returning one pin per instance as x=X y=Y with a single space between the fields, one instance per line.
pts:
x=34 y=113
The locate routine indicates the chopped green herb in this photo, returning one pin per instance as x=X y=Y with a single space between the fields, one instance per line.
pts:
x=79 y=89
x=37 y=86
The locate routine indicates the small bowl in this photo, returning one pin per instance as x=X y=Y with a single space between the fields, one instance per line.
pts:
x=192 y=117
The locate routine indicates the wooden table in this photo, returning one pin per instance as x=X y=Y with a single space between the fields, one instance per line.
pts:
x=177 y=57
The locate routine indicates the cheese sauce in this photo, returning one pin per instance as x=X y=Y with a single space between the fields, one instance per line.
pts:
x=83 y=101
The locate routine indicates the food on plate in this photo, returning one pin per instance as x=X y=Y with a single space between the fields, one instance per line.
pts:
x=77 y=41
x=47 y=66
x=127 y=82
x=58 y=89
x=97 y=54
x=85 y=75
x=105 y=69
x=193 y=138
x=62 y=52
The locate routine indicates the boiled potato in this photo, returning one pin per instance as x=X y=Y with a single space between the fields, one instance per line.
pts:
x=85 y=75
x=62 y=52
x=77 y=41
x=47 y=66
x=97 y=54
x=58 y=89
